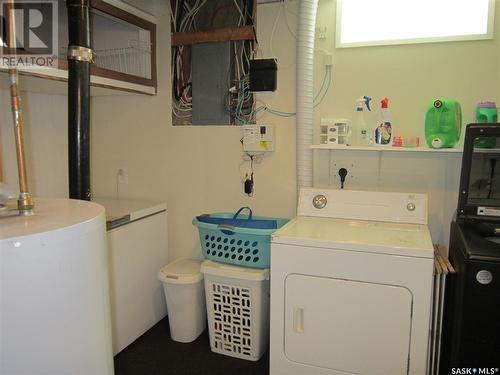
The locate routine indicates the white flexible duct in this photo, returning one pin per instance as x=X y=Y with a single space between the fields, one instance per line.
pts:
x=305 y=61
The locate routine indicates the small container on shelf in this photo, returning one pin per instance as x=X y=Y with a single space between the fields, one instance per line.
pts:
x=397 y=141
x=406 y=141
x=411 y=141
x=340 y=132
x=323 y=135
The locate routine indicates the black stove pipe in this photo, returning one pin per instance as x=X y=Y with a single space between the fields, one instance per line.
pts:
x=79 y=60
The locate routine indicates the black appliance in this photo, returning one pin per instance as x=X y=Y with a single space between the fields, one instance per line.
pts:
x=471 y=322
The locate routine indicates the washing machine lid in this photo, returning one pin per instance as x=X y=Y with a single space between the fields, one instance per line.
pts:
x=136 y=209
x=123 y=211
x=401 y=239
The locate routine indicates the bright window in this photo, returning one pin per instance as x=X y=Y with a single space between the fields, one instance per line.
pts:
x=377 y=22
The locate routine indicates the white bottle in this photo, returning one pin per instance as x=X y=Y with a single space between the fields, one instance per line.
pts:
x=363 y=136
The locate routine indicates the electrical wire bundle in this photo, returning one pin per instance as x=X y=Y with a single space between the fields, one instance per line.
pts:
x=191 y=15
x=241 y=102
x=183 y=19
x=318 y=98
x=181 y=83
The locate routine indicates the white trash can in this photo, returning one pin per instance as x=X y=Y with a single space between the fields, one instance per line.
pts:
x=185 y=295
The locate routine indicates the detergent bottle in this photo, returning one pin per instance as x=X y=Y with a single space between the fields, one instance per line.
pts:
x=486 y=113
x=363 y=136
x=383 y=131
x=443 y=123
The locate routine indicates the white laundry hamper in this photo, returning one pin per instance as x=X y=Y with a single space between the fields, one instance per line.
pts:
x=238 y=309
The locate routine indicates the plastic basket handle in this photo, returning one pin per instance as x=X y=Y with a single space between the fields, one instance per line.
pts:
x=226 y=229
x=241 y=209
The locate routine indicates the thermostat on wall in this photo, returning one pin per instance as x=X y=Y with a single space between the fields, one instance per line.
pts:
x=258 y=138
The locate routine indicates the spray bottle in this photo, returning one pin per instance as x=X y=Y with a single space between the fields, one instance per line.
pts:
x=383 y=131
x=363 y=136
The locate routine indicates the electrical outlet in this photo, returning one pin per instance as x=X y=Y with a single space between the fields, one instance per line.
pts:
x=334 y=172
x=257 y=158
x=123 y=176
x=322 y=32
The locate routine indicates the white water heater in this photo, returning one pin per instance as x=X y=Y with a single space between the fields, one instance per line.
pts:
x=54 y=299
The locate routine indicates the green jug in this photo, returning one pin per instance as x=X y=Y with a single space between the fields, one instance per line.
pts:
x=443 y=123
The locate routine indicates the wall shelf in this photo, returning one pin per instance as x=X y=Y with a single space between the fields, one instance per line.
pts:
x=386 y=148
x=54 y=81
x=124 y=43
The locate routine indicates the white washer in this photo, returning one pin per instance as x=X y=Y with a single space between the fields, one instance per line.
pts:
x=351 y=285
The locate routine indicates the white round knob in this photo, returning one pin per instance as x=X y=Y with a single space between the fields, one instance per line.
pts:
x=410 y=206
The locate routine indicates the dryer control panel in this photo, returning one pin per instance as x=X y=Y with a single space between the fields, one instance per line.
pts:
x=364 y=205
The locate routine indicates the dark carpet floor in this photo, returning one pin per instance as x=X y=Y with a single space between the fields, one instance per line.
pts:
x=154 y=353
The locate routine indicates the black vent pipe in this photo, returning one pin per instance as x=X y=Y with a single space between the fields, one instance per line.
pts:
x=79 y=60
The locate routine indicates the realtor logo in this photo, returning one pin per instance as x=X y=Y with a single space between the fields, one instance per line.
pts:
x=36 y=33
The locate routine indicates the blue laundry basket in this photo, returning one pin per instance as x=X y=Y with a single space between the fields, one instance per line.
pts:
x=243 y=240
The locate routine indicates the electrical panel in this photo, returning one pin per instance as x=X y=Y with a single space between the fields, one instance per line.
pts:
x=210 y=69
x=258 y=138
x=211 y=80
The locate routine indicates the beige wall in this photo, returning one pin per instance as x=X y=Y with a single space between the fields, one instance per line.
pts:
x=199 y=169
x=195 y=169
x=45 y=141
x=411 y=76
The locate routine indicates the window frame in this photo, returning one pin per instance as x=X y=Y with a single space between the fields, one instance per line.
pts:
x=451 y=38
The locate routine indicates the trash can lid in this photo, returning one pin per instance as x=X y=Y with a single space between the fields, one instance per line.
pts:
x=181 y=271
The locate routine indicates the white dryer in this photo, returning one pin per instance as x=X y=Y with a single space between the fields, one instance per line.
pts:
x=351 y=285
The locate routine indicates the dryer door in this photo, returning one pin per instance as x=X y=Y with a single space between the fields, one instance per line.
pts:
x=349 y=326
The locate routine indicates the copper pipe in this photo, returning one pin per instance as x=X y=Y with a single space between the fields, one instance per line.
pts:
x=25 y=201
